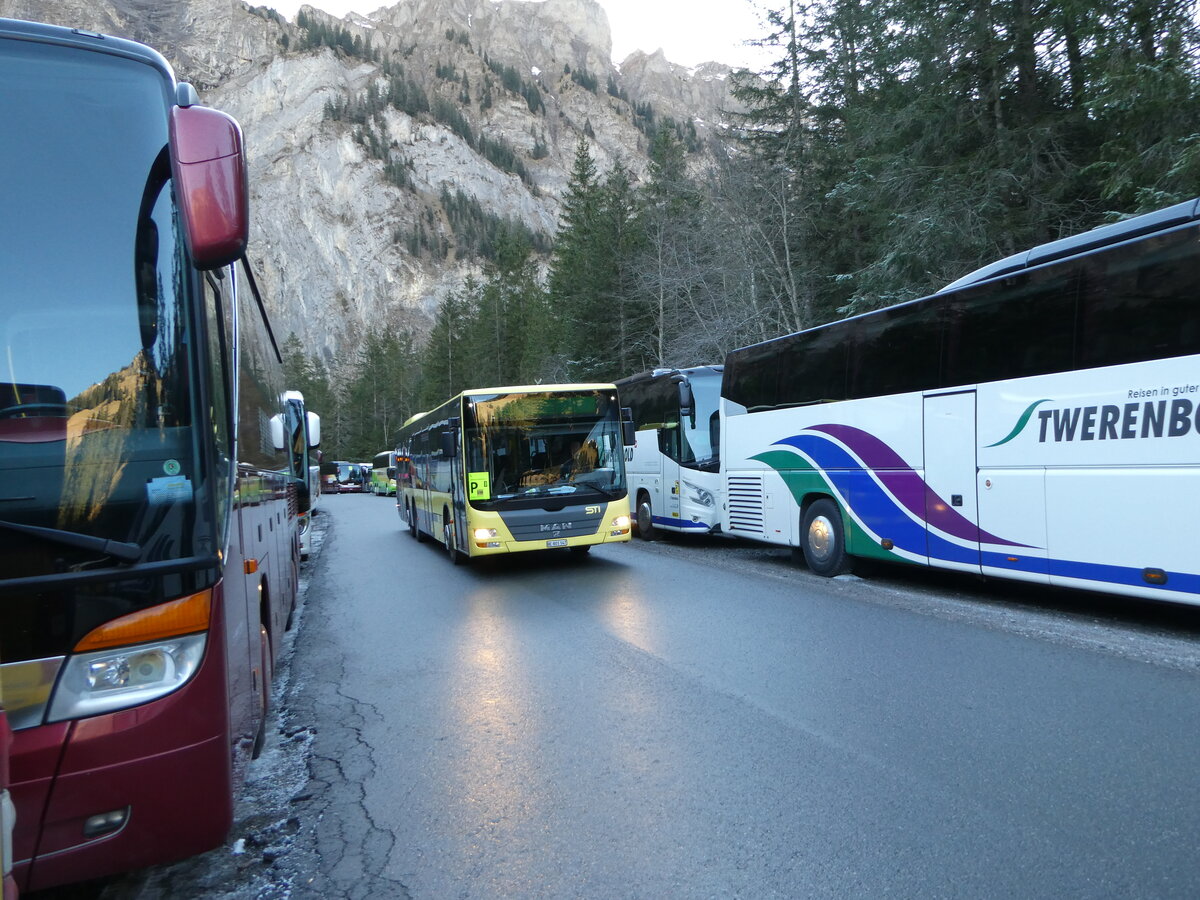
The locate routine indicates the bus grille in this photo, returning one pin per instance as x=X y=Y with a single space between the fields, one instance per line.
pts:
x=745 y=494
x=540 y=524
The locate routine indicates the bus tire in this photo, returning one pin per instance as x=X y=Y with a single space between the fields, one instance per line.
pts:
x=645 y=518
x=448 y=538
x=265 y=676
x=410 y=512
x=824 y=539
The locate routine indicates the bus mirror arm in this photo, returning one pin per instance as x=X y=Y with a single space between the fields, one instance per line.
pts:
x=628 y=431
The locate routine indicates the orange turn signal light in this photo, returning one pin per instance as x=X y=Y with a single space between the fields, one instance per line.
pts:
x=186 y=615
x=1154 y=576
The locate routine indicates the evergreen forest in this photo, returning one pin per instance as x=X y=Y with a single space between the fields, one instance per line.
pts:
x=893 y=147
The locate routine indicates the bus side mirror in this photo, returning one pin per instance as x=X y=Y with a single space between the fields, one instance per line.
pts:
x=628 y=431
x=208 y=162
x=391 y=472
x=448 y=443
x=687 y=403
x=314 y=430
x=278 y=438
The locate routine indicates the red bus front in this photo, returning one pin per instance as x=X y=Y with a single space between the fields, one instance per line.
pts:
x=148 y=544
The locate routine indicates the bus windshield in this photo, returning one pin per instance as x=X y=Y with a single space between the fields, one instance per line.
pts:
x=95 y=410
x=542 y=444
x=700 y=444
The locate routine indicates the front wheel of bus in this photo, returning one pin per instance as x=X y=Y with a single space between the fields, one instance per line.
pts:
x=825 y=539
x=645 y=518
x=448 y=537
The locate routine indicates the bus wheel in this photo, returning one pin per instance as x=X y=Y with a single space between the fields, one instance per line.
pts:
x=448 y=537
x=410 y=512
x=645 y=518
x=825 y=539
x=266 y=676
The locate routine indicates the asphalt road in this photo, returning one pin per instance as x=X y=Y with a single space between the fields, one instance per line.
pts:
x=683 y=720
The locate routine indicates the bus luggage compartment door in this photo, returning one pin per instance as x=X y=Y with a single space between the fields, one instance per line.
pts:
x=951 y=502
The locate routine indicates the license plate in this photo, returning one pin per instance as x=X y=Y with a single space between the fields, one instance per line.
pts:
x=561 y=542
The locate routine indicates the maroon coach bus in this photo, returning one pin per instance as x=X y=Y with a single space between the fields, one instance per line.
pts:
x=148 y=517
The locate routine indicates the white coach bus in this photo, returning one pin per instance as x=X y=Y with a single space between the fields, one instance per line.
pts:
x=673 y=469
x=1038 y=419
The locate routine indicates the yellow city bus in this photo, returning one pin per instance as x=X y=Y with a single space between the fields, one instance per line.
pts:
x=500 y=470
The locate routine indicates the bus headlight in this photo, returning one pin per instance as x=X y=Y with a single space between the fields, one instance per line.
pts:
x=621 y=524
x=108 y=680
x=700 y=495
x=485 y=534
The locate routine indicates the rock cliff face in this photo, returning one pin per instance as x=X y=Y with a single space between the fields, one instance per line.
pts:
x=355 y=212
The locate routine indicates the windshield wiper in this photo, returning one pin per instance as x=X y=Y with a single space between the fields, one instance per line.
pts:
x=117 y=549
x=607 y=493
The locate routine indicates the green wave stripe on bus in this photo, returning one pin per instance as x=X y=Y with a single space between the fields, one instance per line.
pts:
x=803 y=479
x=1021 y=422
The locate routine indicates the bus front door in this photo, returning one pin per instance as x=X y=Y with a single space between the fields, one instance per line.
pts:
x=951 y=501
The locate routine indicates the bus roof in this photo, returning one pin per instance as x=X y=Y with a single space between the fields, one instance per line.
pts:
x=659 y=373
x=1179 y=214
x=85 y=40
x=536 y=389
x=1096 y=238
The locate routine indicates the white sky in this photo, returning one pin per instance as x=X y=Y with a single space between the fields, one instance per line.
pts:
x=688 y=31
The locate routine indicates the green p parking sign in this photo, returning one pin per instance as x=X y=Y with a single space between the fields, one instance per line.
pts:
x=479 y=485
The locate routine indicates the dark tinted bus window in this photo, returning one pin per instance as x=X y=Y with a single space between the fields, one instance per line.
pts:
x=650 y=401
x=1140 y=302
x=751 y=376
x=896 y=350
x=819 y=371
x=1010 y=328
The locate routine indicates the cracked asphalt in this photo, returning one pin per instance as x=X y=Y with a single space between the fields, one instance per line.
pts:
x=704 y=719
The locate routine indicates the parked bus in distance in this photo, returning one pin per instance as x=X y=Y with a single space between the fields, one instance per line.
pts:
x=329 y=476
x=301 y=431
x=383 y=474
x=674 y=468
x=341 y=477
x=1038 y=419
x=500 y=470
x=150 y=551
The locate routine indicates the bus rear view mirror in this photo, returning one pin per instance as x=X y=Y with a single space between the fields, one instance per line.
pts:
x=687 y=403
x=209 y=166
x=628 y=430
x=314 y=430
x=278 y=438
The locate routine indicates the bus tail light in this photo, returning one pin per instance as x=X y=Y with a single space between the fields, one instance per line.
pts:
x=134 y=659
